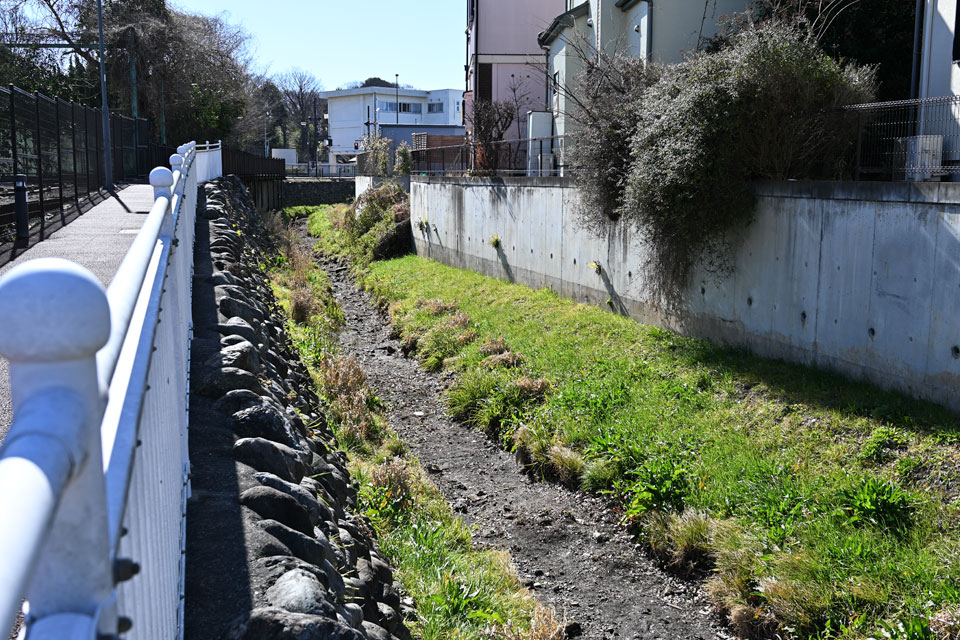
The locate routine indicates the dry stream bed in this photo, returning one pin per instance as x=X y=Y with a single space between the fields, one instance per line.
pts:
x=568 y=547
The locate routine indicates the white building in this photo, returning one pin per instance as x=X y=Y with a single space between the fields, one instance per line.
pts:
x=940 y=74
x=660 y=31
x=355 y=113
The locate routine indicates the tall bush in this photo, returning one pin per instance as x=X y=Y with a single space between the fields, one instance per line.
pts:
x=699 y=132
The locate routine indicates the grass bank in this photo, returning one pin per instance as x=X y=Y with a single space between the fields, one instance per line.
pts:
x=460 y=593
x=815 y=507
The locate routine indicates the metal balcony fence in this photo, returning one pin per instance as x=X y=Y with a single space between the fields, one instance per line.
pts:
x=531 y=157
x=58 y=146
x=907 y=140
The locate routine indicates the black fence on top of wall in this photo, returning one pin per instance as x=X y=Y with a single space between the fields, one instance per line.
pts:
x=58 y=147
x=263 y=176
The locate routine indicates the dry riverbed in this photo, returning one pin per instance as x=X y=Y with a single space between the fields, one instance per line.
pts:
x=568 y=547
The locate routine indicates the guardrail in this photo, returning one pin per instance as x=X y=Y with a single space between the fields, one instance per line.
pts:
x=94 y=470
x=209 y=160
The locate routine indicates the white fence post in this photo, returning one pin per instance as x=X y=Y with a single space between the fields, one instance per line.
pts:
x=58 y=550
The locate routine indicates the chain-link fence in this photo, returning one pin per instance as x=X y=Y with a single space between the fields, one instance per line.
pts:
x=58 y=147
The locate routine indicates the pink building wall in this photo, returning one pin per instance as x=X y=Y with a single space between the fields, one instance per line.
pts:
x=503 y=33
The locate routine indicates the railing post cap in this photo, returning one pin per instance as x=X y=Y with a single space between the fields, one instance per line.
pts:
x=176 y=160
x=52 y=310
x=182 y=149
x=161 y=177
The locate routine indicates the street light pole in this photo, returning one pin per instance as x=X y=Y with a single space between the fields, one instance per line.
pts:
x=104 y=108
x=266 y=145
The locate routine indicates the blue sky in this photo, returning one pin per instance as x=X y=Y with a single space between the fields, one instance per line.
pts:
x=342 y=41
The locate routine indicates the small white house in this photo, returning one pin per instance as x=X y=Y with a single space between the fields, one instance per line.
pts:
x=355 y=113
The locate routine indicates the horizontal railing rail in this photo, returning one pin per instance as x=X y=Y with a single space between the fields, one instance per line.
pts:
x=209 y=161
x=532 y=157
x=94 y=470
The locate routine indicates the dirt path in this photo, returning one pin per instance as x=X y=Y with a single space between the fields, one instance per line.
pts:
x=567 y=546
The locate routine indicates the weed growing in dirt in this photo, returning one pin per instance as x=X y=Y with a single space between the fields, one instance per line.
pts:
x=819 y=506
x=351 y=232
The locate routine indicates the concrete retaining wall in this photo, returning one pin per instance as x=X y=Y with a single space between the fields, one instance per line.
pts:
x=862 y=278
x=316 y=191
x=367 y=182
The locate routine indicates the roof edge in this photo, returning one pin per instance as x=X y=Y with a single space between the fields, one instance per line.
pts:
x=559 y=23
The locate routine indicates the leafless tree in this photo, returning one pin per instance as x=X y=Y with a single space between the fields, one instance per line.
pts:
x=489 y=120
x=300 y=89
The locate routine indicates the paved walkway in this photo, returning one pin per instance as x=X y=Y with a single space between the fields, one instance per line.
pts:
x=97 y=240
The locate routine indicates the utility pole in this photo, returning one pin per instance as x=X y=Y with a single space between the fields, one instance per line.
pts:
x=104 y=107
x=316 y=137
x=397 y=85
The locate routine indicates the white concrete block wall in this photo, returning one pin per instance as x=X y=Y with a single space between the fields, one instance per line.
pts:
x=861 y=278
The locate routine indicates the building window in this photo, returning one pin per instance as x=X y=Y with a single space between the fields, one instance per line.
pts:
x=435 y=107
x=556 y=82
x=485 y=81
x=405 y=107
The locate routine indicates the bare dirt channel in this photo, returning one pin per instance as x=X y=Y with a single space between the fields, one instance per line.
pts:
x=568 y=547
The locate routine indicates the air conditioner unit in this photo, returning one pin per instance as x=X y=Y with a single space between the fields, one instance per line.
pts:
x=923 y=157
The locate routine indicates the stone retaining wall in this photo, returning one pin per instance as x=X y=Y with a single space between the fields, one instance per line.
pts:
x=274 y=546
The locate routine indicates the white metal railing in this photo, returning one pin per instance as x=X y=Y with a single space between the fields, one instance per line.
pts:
x=94 y=470
x=209 y=161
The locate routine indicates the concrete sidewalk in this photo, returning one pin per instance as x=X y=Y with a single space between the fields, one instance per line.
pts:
x=97 y=240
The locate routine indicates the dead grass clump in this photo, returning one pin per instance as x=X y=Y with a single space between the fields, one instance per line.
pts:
x=303 y=305
x=459 y=320
x=544 y=625
x=396 y=477
x=530 y=388
x=341 y=217
x=736 y=556
x=507 y=359
x=751 y=622
x=343 y=375
x=401 y=211
x=437 y=307
x=946 y=624
x=493 y=347
x=350 y=401
x=466 y=337
x=567 y=464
